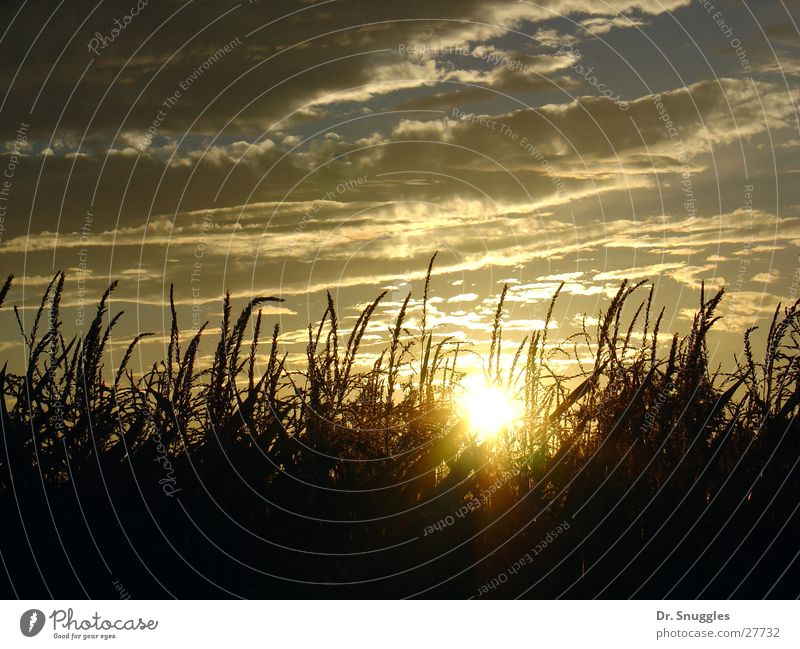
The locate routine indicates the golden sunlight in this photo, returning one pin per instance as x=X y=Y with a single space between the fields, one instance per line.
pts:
x=490 y=409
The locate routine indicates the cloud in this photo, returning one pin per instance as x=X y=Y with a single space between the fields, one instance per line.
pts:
x=604 y=24
x=642 y=272
x=463 y=297
x=766 y=278
x=286 y=48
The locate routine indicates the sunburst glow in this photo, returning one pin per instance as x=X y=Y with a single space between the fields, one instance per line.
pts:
x=490 y=409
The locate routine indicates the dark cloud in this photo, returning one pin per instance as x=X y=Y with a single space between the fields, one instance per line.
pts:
x=472 y=135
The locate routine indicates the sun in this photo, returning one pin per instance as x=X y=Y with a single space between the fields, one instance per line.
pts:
x=489 y=408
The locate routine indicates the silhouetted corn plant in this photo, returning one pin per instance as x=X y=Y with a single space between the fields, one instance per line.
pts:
x=270 y=447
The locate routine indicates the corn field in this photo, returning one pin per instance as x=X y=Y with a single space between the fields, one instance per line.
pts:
x=245 y=477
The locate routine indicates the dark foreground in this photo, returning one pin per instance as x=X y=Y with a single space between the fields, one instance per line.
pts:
x=646 y=477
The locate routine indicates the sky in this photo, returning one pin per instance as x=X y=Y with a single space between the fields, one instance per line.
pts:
x=289 y=148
